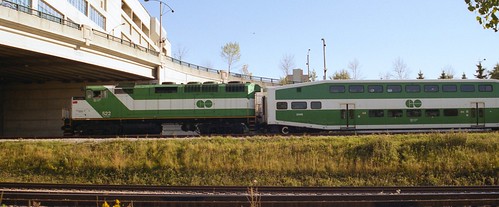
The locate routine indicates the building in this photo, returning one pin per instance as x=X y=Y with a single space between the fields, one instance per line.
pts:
x=125 y=19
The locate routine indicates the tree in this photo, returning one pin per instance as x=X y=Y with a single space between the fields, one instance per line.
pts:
x=180 y=52
x=287 y=64
x=400 y=69
x=420 y=75
x=444 y=75
x=385 y=76
x=494 y=74
x=231 y=53
x=464 y=76
x=486 y=10
x=449 y=70
x=480 y=70
x=245 y=70
x=340 y=75
x=313 y=75
x=354 y=68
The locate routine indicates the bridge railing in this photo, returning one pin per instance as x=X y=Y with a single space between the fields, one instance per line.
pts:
x=236 y=75
x=125 y=42
x=40 y=14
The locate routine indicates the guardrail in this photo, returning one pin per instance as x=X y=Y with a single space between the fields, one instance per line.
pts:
x=236 y=75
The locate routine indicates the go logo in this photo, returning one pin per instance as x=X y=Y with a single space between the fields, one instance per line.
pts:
x=413 y=103
x=204 y=104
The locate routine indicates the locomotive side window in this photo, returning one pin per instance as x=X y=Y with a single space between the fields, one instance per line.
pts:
x=451 y=112
x=356 y=89
x=316 y=105
x=449 y=88
x=165 y=90
x=467 y=88
x=299 y=105
x=485 y=88
x=235 y=88
x=192 y=88
x=432 y=112
x=209 y=88
x=413 y=112
x=395 y=113
x=376 y=113
x=337 y=89
x=375 y=89
x=282 y=105
x=394 y=89
x=430 y=88
x=413 y=89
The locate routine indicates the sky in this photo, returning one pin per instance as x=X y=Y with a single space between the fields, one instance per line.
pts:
x=427 y=35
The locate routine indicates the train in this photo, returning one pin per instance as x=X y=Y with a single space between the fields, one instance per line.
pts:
x=322 y=106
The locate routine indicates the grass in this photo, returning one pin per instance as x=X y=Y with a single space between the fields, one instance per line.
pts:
x=375 y=160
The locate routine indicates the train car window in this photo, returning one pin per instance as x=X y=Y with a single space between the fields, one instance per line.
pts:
x=375 y=89
x=432 y=112
x=282 y=105
x=413 y=112
x=449 y=88
x=123 y=90
x=234 y=88
x=485 y=88
x=165 y=89
x=451 y=112
x=337 y=89
x=431 y=88
x=413 y=89
x=299 y=105
x=316 y=105
x=209 y=88
x=376 y=113
x=394 y=89
x=356 y=89
x=192 y=88
x=298 y=89
x=467 y=88
x=395 y=113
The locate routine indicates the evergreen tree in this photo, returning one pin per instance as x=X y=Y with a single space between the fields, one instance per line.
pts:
x=420 y=75
x=444 y=75
x=494 y=74
x=464 y=76
x=480 y=71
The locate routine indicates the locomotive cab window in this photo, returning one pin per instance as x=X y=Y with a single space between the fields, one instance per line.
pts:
x=282 y=105
x=299 y=105
x=96 y=94
x=337 y=89
x=394 y=89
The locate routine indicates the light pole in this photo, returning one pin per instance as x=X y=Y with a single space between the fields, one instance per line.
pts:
x=308 y=65
x=324 y=52
x=112 y=31
x=161 y=22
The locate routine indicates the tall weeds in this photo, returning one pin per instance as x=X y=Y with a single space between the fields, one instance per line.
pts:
x=421 y=159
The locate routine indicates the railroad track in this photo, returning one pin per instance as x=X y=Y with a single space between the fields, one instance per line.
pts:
x=22 y=194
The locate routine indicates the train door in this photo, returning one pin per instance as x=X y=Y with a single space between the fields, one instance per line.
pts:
x=478 y=114
x=347 y=116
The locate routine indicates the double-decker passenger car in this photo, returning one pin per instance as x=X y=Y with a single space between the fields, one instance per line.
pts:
x=143 y=109
x=383 y=105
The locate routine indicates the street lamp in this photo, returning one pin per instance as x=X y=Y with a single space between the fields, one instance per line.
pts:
x=112 y=31
x=324 y=52
x=161 y=22
x=308 y=65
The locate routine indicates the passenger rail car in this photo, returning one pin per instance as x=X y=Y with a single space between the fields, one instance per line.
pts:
x=383 y=105
x=143 y=109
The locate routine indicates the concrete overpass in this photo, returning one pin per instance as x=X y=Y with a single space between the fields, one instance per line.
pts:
x=45 y=60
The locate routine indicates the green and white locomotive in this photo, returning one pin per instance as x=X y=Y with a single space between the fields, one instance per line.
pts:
x=144 y=109
x=383 y=105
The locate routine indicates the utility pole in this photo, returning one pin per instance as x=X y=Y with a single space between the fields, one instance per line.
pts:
x=324 y=52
